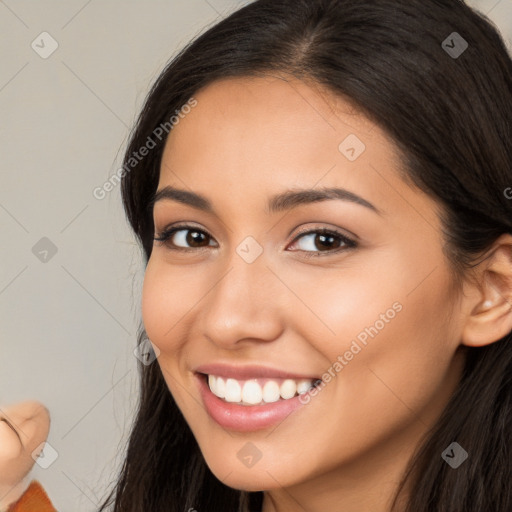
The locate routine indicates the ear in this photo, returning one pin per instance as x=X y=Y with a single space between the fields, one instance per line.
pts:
x=490 y=317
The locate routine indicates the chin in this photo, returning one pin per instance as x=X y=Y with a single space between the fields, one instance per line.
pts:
x=260 y=477
x=250 y=483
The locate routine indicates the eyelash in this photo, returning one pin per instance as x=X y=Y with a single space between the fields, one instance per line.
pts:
x=165 y=235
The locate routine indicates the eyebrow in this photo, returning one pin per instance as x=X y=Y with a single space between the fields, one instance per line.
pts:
x=278 y=203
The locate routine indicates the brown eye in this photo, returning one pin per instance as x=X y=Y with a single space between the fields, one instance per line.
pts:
x=195 y=238
x=185 y=237
x=323 y=240
x=312 y=243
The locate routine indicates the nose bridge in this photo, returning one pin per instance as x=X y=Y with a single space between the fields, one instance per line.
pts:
x=243 y=302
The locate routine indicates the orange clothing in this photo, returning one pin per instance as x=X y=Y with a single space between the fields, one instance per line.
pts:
x=34 y=499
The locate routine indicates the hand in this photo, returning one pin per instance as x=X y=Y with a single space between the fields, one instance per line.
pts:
x=23 y=427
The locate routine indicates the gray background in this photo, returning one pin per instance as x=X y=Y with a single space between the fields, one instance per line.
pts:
x=68 y=323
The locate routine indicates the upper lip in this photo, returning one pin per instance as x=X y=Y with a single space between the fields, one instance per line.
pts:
x=248 y=372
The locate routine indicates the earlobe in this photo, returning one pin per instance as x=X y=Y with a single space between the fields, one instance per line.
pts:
x=491 y=317
x=488 y=326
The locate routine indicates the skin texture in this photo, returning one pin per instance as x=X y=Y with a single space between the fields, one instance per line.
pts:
x=246 y=140
x=23 y=427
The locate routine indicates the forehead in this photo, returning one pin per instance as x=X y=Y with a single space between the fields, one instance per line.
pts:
x=250 y=137
x=286 y=108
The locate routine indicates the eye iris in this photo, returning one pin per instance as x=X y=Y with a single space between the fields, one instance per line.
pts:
x=194 y=237
x=327 y=240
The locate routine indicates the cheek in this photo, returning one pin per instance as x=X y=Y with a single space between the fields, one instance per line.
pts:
x=172 y=295
x=382 y=300
x=165 y=296
x=390 y=326
x=332 y=307
x=405 y=368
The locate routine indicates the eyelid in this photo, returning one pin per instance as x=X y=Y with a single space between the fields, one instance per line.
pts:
x=170 y=227
x=336 y=231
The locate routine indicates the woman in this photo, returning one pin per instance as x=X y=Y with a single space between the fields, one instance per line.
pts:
x=320 y=191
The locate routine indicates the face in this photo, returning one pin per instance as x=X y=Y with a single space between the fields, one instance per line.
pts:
x=350 y=289
x=23 y=427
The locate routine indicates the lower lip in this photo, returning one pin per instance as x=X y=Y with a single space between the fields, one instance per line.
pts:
x=245 y=418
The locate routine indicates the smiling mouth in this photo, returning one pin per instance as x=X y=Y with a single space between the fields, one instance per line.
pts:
x=259 y=391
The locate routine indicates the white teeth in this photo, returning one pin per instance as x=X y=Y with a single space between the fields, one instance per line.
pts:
x=270 y=391
x=217 y=386
x=250 y=392
x=212 y=384
x=233 y=391
x=221 y=387
x=288 y=389
x=303 y=386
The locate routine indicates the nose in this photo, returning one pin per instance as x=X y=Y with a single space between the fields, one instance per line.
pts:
x=245 y=305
